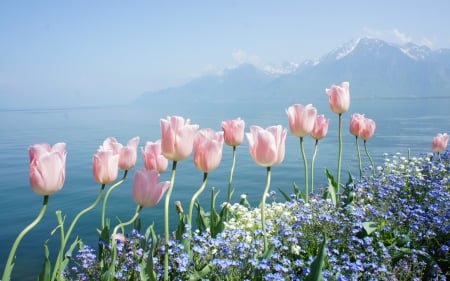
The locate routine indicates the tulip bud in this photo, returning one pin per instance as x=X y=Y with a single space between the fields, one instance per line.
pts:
x=339 y=97
x=147 y=191
x=233 y=131
x=267 y=146
x=208 y=147
x=153 y=158
x=301 y=119
x=128 y=154
x=47 y=167
x=440 y=142
x=105 y=166
x=177 y=137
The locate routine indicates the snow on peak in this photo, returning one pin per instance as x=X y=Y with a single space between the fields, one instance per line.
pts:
x=346 y=49
x=415 y=52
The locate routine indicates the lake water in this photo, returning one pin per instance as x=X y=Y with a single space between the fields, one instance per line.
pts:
x=402 y=124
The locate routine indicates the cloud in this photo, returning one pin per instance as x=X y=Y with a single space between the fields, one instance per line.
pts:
x=241 y=57
x=394 y=35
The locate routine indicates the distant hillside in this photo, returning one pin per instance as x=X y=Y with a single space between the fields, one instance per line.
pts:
x=375 y=69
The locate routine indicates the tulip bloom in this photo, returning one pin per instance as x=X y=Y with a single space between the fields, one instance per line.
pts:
x=147 y=191
x=356 y=124
x=233 y=131
x=47 y=167
x=128 y=154
x=267 y=146
x=177 y=137
x=301 y=119
x=105 y=166
x=368 y=129
x=153 y=159
x=320 y=129
x=208 y=147
x=440 y=142
x=339 y=97
x=112 y=144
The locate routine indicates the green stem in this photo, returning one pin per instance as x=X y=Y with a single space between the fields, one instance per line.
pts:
x=312 y=165
x=66 y=237
x=107 y=196
x=302 y=148
x=194 y=198
x=339 y=152
x=262 y=207
x=230 y=179
x=10 y=262
x=359 y=157
x=370 y=158
x=112 y=267
x=166 y=221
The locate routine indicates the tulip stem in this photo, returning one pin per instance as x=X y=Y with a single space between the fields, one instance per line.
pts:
x=312 y=165
x=262 y=207
x=65 y=237
x=339 y=152
x=230 y=179
x=166 y=221
x=302 y=148
x=10 y=262
x=370 y=158
x=194 y=198
x=359 y=157
x=112 y=267
x=107 y=196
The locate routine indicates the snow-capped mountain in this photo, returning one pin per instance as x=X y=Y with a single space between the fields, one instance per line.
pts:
x=375 y=68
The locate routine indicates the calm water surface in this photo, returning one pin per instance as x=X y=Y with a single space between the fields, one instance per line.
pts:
x=402 y=124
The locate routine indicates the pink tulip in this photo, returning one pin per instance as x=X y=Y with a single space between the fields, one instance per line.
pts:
x=153 y=159
x=320 y=129
x=208 y=147
x=233 y=131
x=440 y=142
x=356 y=124
x=267 y=146
x=47 y=167
x=128 y=154
x=147 y=191
x=368 y=129
x=301 y=119
x=177 y=137
x=105 y=166
x=112 y=144
x=339 y=97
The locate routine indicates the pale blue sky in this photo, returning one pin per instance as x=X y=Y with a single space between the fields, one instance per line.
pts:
x=83 y=52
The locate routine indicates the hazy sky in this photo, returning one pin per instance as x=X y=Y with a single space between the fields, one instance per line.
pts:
x=109 y=52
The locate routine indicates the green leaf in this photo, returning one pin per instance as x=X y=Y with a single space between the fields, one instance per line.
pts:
x=332 y=187
x=369 y=227
x=217 y=224
x=46 y=266
x=286 y=197
x=200 y=274
x=315 y=273
x=202 y=218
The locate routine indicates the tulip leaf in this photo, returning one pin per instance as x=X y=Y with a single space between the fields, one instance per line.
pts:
x=217 y=224
x=46 y=266
x=332 y=187
x=286 y=197
x=315 y=273
x=369 y=227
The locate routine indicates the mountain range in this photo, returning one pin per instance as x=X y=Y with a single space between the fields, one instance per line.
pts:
x=374 y=68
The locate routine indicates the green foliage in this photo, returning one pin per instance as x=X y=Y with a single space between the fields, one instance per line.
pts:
x=316 y=266
x=46 y=266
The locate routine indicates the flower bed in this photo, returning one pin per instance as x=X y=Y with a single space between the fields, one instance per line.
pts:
x=390 y=223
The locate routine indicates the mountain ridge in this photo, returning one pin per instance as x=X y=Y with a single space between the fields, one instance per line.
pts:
x=375 y=68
